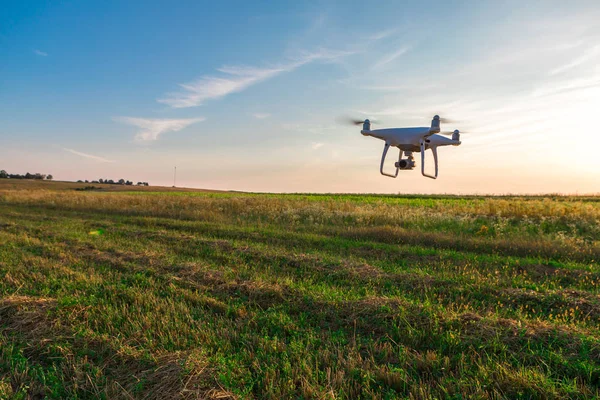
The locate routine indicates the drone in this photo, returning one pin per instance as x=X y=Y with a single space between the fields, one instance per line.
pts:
x=409 y=140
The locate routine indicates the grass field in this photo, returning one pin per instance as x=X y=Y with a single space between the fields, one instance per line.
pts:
x=231 y=295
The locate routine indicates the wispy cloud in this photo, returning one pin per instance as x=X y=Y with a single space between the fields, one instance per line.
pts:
x=383 y=34
x=40 y=53
x=261 y=115
x=388 y=58
x=384 y=87
x=557 y=87
x=316 y=145
x=151 y=129
x=317 y=129
x=237 y=78
x=588 y=55
x=90 y=156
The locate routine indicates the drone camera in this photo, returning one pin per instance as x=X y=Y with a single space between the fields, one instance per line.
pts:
x=405 y=164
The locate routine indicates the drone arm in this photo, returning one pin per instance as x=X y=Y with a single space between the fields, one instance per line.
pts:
x=435 y=160
x=385 y=150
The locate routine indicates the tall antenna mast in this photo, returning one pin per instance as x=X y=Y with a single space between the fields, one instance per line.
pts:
x=175 y=176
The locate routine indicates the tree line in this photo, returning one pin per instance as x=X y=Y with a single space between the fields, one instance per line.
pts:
x=37 y=175
x=113 y=182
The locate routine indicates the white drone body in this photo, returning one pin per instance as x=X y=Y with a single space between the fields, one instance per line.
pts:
x=409 y=140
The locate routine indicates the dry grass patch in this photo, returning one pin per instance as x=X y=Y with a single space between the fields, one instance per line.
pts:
x=93 y=366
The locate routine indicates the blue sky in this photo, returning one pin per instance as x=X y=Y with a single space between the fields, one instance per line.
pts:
x=245 y=96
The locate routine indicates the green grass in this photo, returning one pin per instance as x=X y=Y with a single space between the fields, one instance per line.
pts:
x=233 y=295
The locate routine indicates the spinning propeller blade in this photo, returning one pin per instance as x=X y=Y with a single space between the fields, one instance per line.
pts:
x=448 y=120
x=451 y=132
x=354 y=121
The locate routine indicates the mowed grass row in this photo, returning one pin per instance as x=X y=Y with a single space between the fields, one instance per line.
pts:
x=559 y=228
x=261 y=296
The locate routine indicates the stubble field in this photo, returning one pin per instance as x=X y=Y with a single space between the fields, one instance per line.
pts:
x=231 y=295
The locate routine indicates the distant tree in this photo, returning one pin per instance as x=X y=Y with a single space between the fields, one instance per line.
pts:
x=79 y=181
x=146 y=184
x=49 y=177
x=111 y=181
x=129 y=183
x=86 y=181
x=121 y=181
x=100 y=180
x=140 y=184
x=28 y=175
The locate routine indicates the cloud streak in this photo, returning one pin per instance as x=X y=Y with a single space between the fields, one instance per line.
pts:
x=383 y=34
x=391 y=57
x=234 y=79
x=261 y=115
x=90 y=156
x=40 y=53
x=151 y=129
x=590 y=54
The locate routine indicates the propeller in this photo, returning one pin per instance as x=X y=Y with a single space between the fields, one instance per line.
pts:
x=451 y=132
x=447 y=120
x=354 y=121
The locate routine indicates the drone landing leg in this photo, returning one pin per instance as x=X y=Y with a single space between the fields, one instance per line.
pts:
x=385 y=150
x=435 y=160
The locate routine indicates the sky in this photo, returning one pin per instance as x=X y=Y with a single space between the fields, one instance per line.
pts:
x=248 y=95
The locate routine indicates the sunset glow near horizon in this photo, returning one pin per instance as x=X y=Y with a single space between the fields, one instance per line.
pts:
x=245 y=97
